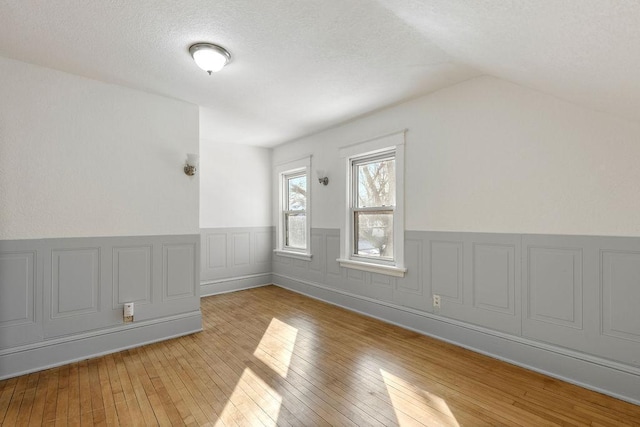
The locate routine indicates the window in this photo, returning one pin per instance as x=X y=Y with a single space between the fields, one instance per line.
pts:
x=294 y=211
x=294 y=224
x=373 y=228
x=373 y=201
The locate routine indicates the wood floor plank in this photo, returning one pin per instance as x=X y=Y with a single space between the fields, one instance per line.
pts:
x=62 y=401
x=51 y=401
x=85 y=390
x=117 y=393
x=111 y=416
x=73 y=405
x=144 y=405
x=97 y=400
x=5 y=397
x=29 y=397
x=270 y=357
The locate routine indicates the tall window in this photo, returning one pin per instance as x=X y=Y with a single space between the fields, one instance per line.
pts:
x=373 y=202
x=294 y=204
x=295 y=211
x=372 y=231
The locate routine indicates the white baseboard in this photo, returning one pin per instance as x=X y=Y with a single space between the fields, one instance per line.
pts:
x=588 y=371
x=232 y=284
x=56 y=352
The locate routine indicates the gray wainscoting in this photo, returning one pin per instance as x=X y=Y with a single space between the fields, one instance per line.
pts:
x=534 y=300
x=235 y=258
x=58 y=295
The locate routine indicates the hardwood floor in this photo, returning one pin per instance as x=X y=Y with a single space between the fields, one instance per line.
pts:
x=268 y=356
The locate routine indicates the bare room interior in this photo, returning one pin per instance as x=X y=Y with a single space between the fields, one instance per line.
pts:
x=308 y=213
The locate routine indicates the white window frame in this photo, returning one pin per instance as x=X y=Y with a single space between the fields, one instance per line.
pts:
x=384 y=144
x=283 y=171
x=354 y=163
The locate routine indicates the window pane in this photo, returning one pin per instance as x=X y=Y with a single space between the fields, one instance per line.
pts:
x=374 y=234
x=296 y=230
x=297 y=193
x=376 y=183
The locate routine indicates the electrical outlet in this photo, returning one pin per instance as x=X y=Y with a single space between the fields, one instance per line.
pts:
x=436 y=301
x=128 y=312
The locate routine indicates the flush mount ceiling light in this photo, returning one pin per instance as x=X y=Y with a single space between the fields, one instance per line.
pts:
x=210 y=57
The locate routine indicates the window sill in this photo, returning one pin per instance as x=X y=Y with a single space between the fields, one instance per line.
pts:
x=296 y=255
x=388 y=270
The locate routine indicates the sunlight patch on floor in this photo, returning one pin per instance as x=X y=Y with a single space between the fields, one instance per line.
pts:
x=276 y=346
x=253 y=401
x=413 y=404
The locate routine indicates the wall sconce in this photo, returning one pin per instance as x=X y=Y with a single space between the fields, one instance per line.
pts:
x=322 y=177
x=191 y=166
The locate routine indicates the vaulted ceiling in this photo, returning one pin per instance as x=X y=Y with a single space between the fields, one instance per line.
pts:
x=300 y=66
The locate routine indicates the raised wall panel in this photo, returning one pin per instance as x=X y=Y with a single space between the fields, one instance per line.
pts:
x=356 y=281
x=478 y=278
x=355 y=275
x=263 y=250
x=232 y=254
x=382 y=280
x=282 y=259
x=332 y=251
x=69 y=290
x=412 y=280
x=493 y=277
x=216 y=250
x=131 y=275
x=621 y=294
x=409 y=290
x=179 y=271
x=560 y=295
x=317 y=250
x=555 y=286
x=75 y=282
x=17 y=288
x=447 y=270
x=300 y=264
x=241 y=248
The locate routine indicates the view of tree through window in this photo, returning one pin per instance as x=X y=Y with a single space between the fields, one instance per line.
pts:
x=295 y=215
x=374 y=204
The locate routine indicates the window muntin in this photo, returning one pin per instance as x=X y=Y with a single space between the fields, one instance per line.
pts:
x=294 y=211
x=373 y=203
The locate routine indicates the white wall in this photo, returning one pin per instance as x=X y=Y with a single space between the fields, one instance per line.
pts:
x=487 y=155
x=84 y=158
x=235 y=185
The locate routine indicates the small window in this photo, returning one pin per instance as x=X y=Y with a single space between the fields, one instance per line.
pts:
x=373 y=206
x=294 y=204
x=295 y=211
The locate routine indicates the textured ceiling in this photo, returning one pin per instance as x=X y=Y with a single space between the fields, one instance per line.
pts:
x=584 y=51
x=299 y=66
